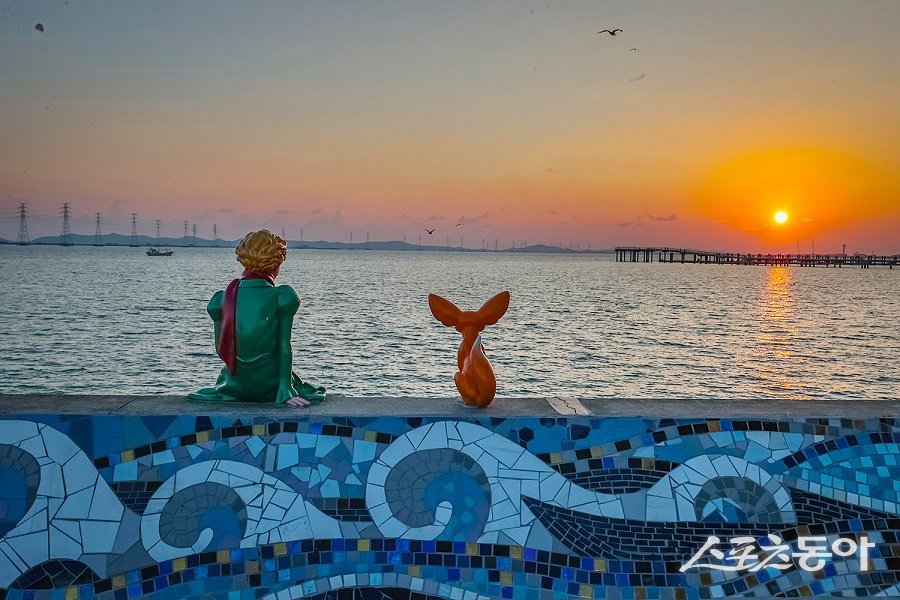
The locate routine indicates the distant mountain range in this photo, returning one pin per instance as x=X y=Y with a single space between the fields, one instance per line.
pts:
x=115 y=239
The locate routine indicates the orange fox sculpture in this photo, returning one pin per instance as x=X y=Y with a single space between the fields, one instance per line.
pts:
x=475 y=379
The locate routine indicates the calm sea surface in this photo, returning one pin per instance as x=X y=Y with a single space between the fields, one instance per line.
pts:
x=114 y=321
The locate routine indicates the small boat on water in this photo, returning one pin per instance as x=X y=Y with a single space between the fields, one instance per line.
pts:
x=159 y=252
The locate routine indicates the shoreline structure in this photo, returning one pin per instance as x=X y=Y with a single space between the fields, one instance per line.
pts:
x=113 y=497
x=649 y=254
x=644 y=254
x=117 y=240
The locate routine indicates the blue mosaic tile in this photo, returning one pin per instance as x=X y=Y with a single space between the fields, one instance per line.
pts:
x=220 y=507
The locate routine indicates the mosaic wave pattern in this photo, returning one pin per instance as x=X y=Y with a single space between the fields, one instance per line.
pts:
x=119 y=507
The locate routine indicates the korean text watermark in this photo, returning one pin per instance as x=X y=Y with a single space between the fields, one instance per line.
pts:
x=752 y=554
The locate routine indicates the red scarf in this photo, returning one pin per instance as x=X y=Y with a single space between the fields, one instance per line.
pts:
x=227 y=338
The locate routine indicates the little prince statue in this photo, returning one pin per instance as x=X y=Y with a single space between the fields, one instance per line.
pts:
x=252 y=319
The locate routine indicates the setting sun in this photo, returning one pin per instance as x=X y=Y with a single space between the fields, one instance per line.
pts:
x=816 y=189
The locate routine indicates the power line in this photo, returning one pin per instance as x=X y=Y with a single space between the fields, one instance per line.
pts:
x=98 y=237
x=134 y=229
x=23 y=239
x=66 y=229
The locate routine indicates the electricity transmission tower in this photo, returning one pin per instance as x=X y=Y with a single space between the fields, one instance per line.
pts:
x=185 y=230
x=157 y=232
x=215 y=232
x=98 y=238
x=301 y=234
x=23 y=239
x=194 y=236
x=134 y=230
x=66 y=229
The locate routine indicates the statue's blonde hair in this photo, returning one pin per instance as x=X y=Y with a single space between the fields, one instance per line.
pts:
x=261 y=251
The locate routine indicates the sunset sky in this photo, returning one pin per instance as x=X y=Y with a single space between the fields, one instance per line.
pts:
x=514 y=118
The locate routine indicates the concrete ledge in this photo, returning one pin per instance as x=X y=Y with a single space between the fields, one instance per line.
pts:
x=451 y=407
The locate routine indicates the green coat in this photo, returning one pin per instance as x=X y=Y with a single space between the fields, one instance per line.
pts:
x=265 y=315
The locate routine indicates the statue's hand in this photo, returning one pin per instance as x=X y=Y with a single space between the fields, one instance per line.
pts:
x=297 y=402
x=288 y=395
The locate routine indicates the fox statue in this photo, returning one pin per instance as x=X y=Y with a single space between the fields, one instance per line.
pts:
x=475 y=379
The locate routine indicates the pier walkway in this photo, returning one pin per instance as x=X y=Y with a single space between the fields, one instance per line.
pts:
x=685 y=255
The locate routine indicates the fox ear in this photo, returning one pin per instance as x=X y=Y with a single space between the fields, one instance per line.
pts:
x=443 y=310
x=491 y=311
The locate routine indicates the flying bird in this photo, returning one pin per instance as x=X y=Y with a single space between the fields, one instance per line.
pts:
x=458 y=224
x=429 y=231
x=613 y=32
x=638 y=78
x=634 y=50
x=39 y=27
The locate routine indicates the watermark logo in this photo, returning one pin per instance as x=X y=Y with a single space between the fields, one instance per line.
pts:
x=751 y=554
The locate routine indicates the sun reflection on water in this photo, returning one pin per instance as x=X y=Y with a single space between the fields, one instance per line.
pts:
x=778 y=363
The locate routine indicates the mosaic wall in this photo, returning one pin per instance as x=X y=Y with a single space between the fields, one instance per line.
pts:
x=118 y=507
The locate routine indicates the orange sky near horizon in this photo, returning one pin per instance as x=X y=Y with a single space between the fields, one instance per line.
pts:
x=818 y=191
x=515 y=119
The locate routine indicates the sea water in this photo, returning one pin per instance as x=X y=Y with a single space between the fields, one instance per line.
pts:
x=111 y=320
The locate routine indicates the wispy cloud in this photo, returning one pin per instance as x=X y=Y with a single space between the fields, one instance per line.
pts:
x=472 y=220
x=672 y=217
x=318 y=217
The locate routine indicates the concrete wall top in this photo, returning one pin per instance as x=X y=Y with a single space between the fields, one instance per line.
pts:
x=452 y=407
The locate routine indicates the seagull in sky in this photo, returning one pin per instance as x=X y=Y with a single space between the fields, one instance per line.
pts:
x=634 y=50
x=610 y=32
x=429 y=231
x=458 y=224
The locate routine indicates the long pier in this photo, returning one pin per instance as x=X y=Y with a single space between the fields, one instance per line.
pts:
x=649 y=254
